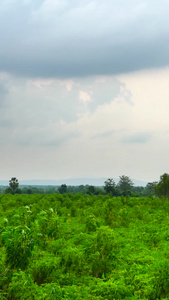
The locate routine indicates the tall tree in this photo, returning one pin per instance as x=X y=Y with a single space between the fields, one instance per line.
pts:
x=91 y=190
x=125 y=184
x=63 y=189
x=14 y=184
x=151 y=188
x=162 y=188
x=110 y=187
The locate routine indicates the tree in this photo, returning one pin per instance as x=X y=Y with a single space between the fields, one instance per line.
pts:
x=110 y=187
x=151 y=188
x=125 y=184
x=63 y=189
x=14 y=184
x=162 y=187
x=92 y=190
x=8 y=190
x=81 y=189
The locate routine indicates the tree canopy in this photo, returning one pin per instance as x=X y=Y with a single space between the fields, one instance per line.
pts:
x=125 y=183
x=162 y=187
x=110 y=187
x=14 y=184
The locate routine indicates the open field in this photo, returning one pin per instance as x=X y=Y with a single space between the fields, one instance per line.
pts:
x=84 y=247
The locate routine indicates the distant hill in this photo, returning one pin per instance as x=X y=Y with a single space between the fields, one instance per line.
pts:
x=71 y=181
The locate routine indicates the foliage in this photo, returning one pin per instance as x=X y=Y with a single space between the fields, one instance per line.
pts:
x=63 y=189
x=113 y=190
x=162 y=188
x=75 y=246
x=14 y=184
x=110 y=187
x=125 y=184
x=18 y=244
x=151 y=188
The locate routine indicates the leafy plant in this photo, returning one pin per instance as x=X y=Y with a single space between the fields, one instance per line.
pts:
x=18 y=244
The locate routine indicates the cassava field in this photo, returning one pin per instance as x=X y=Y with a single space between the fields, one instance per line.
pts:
x=83 y=247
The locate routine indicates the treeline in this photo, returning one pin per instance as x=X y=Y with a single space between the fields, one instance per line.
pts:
x=125 y=187
x=82 y=189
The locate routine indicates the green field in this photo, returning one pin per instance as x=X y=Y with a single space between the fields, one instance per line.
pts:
x=83 y=247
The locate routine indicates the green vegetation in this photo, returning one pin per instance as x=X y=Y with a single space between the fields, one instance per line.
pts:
x=75 y=246
x=14 y=184
x=162 y=187
x=124 y=187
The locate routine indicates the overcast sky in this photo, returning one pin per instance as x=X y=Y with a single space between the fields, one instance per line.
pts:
x=84 y=89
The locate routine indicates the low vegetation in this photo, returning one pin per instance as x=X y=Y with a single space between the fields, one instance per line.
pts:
x=75 y=246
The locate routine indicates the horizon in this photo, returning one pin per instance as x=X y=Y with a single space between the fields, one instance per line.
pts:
x=96 y=181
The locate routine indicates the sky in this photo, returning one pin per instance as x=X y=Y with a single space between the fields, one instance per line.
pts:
x=84 y=89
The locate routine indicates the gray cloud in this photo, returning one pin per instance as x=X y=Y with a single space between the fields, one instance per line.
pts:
x=46 y=112
x=81 y=38
x=3 y=89
x=6 y=123
x=3 y=93
x=43 y=138
x=59 y=140
x=139 y=137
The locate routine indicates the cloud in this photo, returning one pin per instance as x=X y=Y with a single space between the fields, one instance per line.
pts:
x=3 y=89
x=54 y=135
x=66 y=39
x=3 y=93
x=139 y=137
x=46 y=112
x=105 y=134
x=6 y=123
x=61 y=128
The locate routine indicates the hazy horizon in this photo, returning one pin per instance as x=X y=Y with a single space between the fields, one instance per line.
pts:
x=71 y=181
